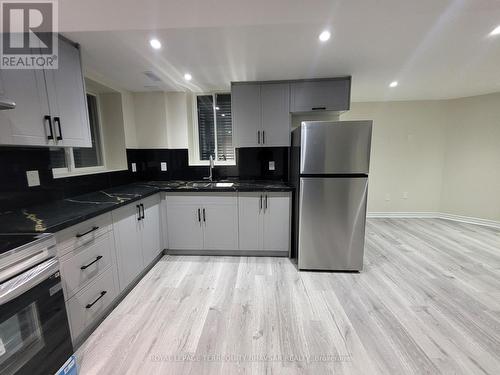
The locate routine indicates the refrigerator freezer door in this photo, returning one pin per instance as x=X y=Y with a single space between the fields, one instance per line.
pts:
x=332 y=214
x=335 y=147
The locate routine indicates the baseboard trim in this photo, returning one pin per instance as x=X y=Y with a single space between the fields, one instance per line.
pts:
x=434 y=215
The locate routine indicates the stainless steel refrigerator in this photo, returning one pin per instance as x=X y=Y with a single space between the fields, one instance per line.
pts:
x=329 y=170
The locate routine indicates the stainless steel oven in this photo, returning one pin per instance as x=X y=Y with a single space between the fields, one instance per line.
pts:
x=34 y=330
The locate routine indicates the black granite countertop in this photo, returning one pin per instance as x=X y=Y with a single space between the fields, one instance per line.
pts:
x=55 y=216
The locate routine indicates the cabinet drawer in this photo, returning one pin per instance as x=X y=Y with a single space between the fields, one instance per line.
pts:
x=82 y=234
x=90 y=303
x=94 y=258
x=202 y=198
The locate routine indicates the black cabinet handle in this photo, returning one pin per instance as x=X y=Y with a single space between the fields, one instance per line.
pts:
x=263 y=137
x=318 y=108
x=204 y=219
x=58 y=121
x=265 y=202
x=260 y=205
x=143 y=212
x=258 y=137
x=91 y=263
x=199 y=216
x=97 y=299
x=49 y=120
x=139 y=211
x=78 y=235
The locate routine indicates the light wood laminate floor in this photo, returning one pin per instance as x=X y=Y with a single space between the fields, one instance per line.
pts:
x=427 y=302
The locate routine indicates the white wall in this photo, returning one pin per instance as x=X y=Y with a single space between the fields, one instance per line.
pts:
x=445 y=154
x=407 y=154
x=161 y=119
x=471 y=179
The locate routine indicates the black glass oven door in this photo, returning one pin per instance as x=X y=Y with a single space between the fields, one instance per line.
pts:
x=34 y=332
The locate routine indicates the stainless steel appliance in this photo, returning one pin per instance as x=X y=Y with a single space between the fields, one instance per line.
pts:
x=34 y=329
x=329 y=170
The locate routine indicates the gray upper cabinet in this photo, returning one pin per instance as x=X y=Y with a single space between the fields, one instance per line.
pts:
x=29 y=123
x=320 y=95
x=275 y=111
x=261 y=114
x=245 y=104
x=67 y=99
x=51 y=107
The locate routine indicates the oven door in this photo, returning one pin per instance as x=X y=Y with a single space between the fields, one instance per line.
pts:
x=34 y=330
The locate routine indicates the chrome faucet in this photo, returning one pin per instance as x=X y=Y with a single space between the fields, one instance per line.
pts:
x=210 y=168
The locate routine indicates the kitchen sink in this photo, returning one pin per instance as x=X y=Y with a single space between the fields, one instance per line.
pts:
x=209 y=185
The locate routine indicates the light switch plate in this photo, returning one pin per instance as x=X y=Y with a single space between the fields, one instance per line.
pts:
x=33 y=178
x=272 y=166
x=134 y=167
x=163 y=166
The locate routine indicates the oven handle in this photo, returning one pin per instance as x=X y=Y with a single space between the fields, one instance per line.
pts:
x=20 y=284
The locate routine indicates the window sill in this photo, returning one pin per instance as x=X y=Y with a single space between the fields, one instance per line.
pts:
x=216 y=164
x=62 y=173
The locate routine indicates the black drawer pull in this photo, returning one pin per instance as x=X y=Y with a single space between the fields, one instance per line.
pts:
x=91 y=263
x=58 y=121
x=199 y=216
x=97 y=299
x=318 y=108
x=78 y=235
x=49 y=119
x=143 y=212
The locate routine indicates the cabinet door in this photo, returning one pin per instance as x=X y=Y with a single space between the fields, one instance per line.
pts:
x=184 y=227
x=220 y=223
x=67 y=98
x=26 y=124
x=245 y=103
x=276 y=223
x=275 y=106
x=150 y=231
x=250 y=210
x=330 y=95
x=127 y=230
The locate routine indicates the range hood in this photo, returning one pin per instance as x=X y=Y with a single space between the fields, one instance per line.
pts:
x=7 y=104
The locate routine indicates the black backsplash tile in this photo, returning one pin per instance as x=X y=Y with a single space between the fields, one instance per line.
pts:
x=252 y=163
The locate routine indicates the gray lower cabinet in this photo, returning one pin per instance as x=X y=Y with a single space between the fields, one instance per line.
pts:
x=137 y=237
x=320 y=95
x=91 y=303
x=264 y=221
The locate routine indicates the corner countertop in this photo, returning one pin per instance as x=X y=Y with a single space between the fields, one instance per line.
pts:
x=55 y=216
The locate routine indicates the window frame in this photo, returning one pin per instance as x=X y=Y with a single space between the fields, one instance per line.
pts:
x=70 y=169
x=194 y=158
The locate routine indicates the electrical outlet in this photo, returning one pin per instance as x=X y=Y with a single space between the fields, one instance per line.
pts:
x=163 y=166
x=272 y=166
x=33 y=178
x=405 y=195
x=134 y=167
x=388 y=197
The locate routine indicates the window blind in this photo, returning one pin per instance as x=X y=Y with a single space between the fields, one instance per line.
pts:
x=90 y=157
x=206 y=126
x=224 y=125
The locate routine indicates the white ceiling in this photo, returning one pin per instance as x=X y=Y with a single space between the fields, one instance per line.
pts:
x=434 y=48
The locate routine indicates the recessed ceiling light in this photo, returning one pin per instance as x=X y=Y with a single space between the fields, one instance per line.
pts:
x=223 y=115
x=394 y=84
x=217 y=108
x=188 y=77
x=324 y=36
x=155 y=43
x=496 y=31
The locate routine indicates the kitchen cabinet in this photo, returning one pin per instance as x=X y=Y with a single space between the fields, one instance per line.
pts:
x=245 y=104
x=67 y=98
x=202 y=222
x=320 y=95
x=29 y=122
x=264 y=221
x=51 y=107
x=261 y=114
x=137 y=237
